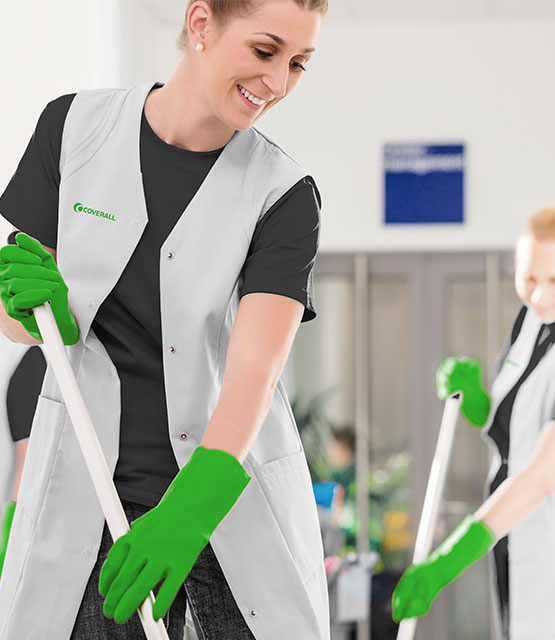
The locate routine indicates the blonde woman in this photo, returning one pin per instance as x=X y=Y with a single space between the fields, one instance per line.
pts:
x=519 y=423
x=176 y=244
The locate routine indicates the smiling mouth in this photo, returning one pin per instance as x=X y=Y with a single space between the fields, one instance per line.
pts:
x=255 y=100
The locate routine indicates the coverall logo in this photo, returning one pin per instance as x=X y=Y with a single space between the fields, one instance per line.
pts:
x=80 y=208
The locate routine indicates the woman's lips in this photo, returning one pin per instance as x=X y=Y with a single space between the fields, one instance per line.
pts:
x=254 y=107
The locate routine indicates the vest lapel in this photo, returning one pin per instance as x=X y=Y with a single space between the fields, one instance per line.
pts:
x=102 y=209
x=515 y=363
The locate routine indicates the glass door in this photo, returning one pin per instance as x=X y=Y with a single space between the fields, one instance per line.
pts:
x=420 y=309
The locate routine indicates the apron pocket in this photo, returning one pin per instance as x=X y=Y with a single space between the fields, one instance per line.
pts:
x=287 y=485
x=47 y=427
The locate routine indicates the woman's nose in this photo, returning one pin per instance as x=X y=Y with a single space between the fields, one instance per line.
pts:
x=276 y=81
x=541 y=295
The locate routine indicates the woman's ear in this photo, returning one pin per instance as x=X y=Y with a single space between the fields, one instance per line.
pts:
x=197 y=21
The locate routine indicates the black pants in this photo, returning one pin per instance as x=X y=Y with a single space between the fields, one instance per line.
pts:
x=213 y=607
x=501 y=558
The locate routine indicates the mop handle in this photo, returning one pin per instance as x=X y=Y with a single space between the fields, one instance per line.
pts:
x=90 y=446
x=434 y=492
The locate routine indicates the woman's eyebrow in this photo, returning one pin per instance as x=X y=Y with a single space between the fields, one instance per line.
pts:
x=279 y=40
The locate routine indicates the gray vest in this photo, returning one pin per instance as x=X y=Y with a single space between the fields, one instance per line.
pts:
x=269 y=545
x=532 y=542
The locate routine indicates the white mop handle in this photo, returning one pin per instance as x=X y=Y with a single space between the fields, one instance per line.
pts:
x=90 y=446
x=436 y=481
x=407 y=629
x=434 y=492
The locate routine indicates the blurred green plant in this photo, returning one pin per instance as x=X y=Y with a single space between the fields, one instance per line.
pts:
x=388 y=490
x=315 y=430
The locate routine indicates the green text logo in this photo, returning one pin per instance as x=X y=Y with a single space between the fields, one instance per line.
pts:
x=80 y=208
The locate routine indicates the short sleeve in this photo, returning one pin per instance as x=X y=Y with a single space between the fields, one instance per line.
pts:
x=30 y=201
x=283 y=248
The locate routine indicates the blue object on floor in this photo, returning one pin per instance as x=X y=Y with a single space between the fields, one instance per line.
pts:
x=324 y=492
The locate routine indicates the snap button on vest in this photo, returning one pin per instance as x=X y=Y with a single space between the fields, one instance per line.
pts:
x=183 y=436
x=170 y=255
x=172 y=349
x=253 y=613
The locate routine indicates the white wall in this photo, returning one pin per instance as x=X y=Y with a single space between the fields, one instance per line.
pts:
x=483 y=81
x=48 y=49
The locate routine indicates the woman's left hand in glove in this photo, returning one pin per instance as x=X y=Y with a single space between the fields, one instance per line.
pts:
x=165 y=543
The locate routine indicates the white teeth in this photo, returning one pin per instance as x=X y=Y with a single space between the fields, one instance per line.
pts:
x=250 y=97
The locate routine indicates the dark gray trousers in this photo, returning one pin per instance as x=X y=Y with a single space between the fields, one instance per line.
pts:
x=213 y=607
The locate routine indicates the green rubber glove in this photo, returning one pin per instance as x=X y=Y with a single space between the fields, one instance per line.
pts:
x=464 y=374
x=421 y=583
x=6 y=525
x=29 y=276
x=165 y=542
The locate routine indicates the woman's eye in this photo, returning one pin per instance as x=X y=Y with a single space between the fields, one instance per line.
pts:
x=263 y=54
x=297 y=66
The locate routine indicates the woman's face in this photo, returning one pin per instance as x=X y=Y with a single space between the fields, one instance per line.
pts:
x=263 y=54
x=535 y=275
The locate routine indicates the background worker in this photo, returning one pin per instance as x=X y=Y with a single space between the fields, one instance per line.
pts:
x=522 y=403
x=22 y=387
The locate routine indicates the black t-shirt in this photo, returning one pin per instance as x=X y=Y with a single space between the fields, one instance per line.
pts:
x=23 y=391
x=280 y=260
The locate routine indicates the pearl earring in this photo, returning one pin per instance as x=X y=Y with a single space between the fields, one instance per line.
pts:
x=199 y=47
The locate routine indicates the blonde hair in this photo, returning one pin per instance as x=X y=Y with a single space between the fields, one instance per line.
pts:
x=541 y=225
x=224 y=10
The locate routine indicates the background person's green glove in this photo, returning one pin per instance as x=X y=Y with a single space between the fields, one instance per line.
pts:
x=421 y=583
x=5 y=527
x=165 y=542
x=29 y=276
x=464 y=374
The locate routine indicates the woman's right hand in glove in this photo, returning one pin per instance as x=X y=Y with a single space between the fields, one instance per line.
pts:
x=464 y=374
x=421 y=583
x=29 y=276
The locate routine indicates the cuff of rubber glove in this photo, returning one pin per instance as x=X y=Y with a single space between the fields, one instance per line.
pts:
x=211 y=481
x=469 y=542
x=7 y=519
x=71 y=333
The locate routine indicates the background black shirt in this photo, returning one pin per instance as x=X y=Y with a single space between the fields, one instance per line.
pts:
x=280 y=260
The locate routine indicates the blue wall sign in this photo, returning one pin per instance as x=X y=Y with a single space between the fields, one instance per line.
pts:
x=423 y=183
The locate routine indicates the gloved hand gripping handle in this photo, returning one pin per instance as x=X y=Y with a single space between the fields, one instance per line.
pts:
x=434 y=491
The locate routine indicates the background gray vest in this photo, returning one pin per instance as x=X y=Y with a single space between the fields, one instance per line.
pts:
x=532 y=542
